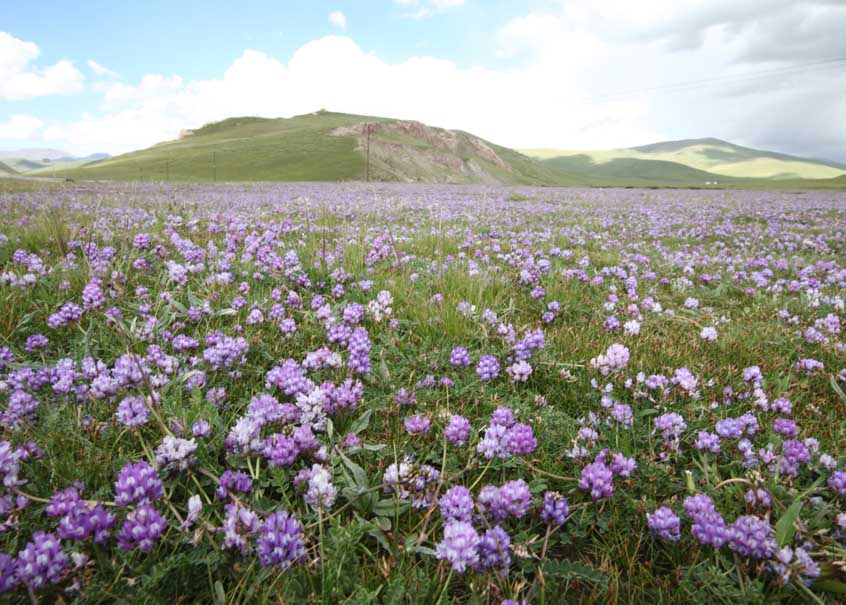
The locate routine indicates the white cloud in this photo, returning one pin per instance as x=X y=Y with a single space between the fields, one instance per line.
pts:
x=100 y=70
x=420 y=9
x=20 y=80
x=574 y=82
x=528 y=106
x=151 y=86
x=700 y=68
x=20 y=127
x=338 y=19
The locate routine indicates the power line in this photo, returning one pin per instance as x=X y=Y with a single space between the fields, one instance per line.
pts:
x=748 y=76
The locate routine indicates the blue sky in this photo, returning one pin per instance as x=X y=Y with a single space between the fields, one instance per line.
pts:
x=569 y=74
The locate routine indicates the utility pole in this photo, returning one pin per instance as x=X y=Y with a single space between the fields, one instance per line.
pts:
x=367 y=130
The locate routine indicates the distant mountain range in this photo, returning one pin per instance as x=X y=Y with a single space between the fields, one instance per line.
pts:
x=327 y=146
x=715 y=156
x=44 y=161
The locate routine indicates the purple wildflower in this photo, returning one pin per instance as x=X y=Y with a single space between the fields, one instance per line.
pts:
x=837 y=482
x=137 y=482
x=459 y=546
x=41 y=562
x=456 y=504
x=494 y=550
x=142 y=527
x=459 y=357
x=417 y=425
x=457 y=431
x=555 y=508
x=280 y=541
x=519 y=440
x=752 y=537
x=359 y=348
x=664 y=523
x=487 y=368
x=597 y=478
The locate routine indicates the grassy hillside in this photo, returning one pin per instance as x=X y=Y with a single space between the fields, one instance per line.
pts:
x=242 y=149
x=630 y=171
x=714 y=156
x=22 y=165
x=25 y=164
x=325 y=146
x=5 y=169
x=322 y=146
x=49 y=169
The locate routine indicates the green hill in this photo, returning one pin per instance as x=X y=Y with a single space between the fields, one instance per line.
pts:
x=322 y=146
x=327 y=146
x=58 y=165
x=22 y=165
x=715 y=156
x=28 y=163
x=5 y=169
x=631 y=172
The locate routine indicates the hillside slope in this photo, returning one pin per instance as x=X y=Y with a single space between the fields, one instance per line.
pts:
x=632 y=171
x=326 y=146
x=714 y=156
x=27 y=161
x=323 y=146
x=6 y=169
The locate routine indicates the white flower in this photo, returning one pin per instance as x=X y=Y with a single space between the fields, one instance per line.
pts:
x=320 y=493
x=519 y=372
x=614 y=359
x=631 y=328
x=195 y=507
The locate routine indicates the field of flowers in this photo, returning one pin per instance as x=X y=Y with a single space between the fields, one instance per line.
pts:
x=403 y=394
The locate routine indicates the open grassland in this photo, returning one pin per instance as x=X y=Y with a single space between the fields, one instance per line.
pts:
x=421 y=394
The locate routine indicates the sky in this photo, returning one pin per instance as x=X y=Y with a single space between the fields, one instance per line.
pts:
x=111 y=77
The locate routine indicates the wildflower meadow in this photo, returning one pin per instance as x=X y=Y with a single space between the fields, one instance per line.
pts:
x=361 y=393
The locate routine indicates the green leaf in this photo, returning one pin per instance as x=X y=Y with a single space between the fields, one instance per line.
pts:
x=567 y=570
x=837 y=389
x=192 y=298
x=785 y=529
x=362 y=422
x=423 y=550
x=646 y=412
x=385 y=507
x=380 y=537
x=830 y=586
x=359 y=476
x=219 y=594
x=538 y=484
